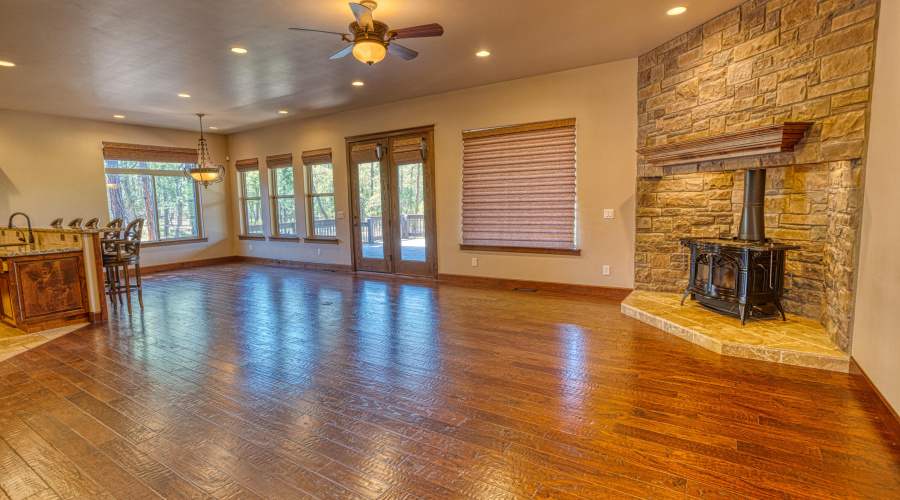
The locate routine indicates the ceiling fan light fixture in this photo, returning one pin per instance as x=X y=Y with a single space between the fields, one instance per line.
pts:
x=369 y=51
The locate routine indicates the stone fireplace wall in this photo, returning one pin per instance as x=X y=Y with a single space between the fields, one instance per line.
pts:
x=764 y=62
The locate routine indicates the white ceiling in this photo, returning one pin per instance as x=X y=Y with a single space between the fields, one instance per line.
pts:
x=96 y=58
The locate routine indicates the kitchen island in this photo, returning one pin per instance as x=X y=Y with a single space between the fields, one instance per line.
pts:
x=55 y=281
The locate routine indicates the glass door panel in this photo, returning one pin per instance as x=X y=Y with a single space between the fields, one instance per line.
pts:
x=372 y=243
x=411 y=180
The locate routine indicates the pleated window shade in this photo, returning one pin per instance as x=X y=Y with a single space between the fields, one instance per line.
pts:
x=409 y=151
x=316 y=157
x=519 y=186
x=365 y=153
x=140 y=152
x=247 y=165
x=280 y=161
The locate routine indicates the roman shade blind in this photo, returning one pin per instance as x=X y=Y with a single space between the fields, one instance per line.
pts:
x=519 y=186
x=408 y=151
x=247 y=165
x=140 y=152
x=365 y=153
x=280 y=161
x=316 y=157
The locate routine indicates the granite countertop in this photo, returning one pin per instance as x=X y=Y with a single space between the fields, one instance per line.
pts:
x=28 y=250
x=74 y=230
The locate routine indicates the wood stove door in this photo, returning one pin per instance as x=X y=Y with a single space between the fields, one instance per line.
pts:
x=717 y=275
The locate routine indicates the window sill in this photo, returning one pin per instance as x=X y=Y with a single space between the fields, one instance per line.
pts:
x=512 y=249
x=292 y=239
x=327 y=241
x=251 y=237
x=180 y=241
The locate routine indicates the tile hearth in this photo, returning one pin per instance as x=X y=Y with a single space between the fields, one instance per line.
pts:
x=797 y=341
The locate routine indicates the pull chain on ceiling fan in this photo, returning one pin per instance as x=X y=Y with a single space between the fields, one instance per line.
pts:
x=370 y=40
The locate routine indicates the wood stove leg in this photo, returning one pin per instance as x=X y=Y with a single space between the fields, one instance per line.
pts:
x=686 y=293
x=744 y=310
x=780 y=309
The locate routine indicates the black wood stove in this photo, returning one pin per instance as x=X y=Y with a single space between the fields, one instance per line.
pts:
x=736 y=275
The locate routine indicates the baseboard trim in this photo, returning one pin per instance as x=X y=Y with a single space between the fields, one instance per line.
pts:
x=173 y=266
x=318 y=266
x=883 y=408
x=544 y=286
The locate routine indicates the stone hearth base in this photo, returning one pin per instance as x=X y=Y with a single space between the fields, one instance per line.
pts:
x=797 y=341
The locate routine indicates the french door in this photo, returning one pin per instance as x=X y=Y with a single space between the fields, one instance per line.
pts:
x=392 y=202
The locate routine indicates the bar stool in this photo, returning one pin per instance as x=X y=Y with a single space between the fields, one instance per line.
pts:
x=127 y=252
x=113 y=232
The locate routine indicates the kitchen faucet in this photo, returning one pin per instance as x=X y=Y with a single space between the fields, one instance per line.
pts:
x=27 y=218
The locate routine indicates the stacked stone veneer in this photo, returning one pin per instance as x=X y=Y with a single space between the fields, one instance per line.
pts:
x=761 y=63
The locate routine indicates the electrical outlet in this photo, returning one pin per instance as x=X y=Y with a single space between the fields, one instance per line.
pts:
x=340 y=215
x=474 y=261
x=607 y=213
x=251 y=247
x=605 y=270
x=319 y=250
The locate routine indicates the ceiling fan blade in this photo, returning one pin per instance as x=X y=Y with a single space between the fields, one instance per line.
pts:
x=318 y=31
x=423 y=31
x=363 y=15
x=402 y=52
x=348 y=49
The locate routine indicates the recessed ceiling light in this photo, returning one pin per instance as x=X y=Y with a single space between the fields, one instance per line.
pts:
x=482 y=53
x=118 y=116
x=184 y=95
x=676 y=11
x=239 y=50
x=282 y=112
x=7 y=64
x=358 y=83
x=214 y=128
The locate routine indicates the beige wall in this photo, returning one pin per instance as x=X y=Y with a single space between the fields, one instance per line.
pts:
x=602 y=98
x=876 y=333
x=53 y=167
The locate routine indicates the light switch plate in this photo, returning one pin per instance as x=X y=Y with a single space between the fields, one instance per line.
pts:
x=340 y=215
x=605 y=270
x=608 y=213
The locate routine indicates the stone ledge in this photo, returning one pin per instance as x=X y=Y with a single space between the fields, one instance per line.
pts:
x=798 y=341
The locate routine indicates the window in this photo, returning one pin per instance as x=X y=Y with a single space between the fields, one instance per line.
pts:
x=319 y=194
x=519 y=188
x=147 y=182
x=284 y=210
x=251 y=205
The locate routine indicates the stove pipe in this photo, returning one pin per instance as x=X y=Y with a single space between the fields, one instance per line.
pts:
x=753 y=224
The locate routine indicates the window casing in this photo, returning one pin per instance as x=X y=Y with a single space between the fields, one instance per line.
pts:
x=284 y=208
x=320 y=210
x=147 y=182
x=251 y=202
x=519 y=190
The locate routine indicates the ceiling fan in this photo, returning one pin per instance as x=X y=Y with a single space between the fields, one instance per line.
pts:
x=370 y=39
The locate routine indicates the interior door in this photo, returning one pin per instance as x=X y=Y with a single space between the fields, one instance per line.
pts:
x=392 y=203
x=370 y=206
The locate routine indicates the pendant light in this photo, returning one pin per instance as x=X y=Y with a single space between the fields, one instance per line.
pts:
x=204 y=172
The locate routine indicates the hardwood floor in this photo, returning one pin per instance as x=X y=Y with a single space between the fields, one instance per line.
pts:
x=243 y=381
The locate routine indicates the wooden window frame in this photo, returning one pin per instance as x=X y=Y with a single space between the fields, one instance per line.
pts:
x=309 y=195
x=153 y=174
x=245 y=222
x=273 y=203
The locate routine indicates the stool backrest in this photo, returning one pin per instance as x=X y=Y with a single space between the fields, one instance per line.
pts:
x=133 y=236
x=56 y=222
x=93 y=223
x=115 y=223
x=75 y=222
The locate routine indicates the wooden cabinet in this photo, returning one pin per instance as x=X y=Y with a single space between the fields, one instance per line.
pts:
x=41 y=292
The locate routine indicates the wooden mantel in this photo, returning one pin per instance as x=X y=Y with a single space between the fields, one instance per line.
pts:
x=777 y=138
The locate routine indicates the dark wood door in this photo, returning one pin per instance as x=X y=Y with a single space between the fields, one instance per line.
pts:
x=392 y=202
x=370 y=206
x=412 y=204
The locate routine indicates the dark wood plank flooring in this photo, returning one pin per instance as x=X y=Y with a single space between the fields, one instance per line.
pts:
x=243 y=381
